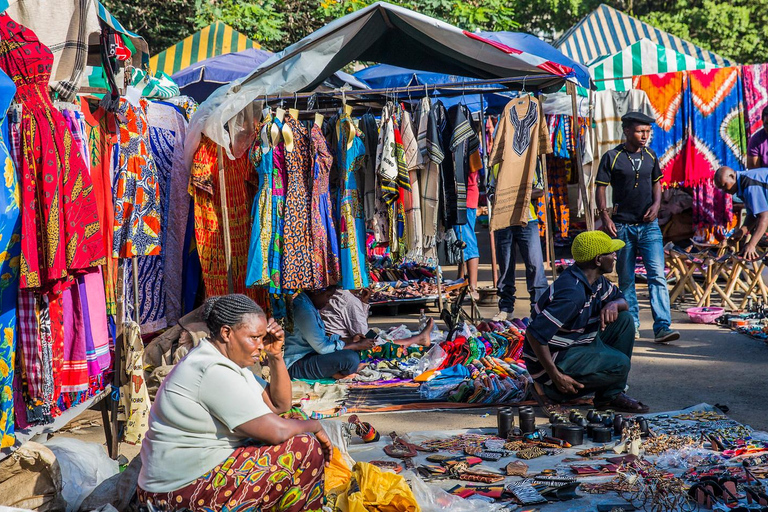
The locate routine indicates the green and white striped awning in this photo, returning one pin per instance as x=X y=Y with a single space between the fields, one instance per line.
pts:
x=216 y=39
x=606 y=31
x=641 y=58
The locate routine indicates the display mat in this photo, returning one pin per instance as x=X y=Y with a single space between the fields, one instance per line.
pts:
x=361 y=452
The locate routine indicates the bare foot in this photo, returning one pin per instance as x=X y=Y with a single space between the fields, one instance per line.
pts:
x=424 y=337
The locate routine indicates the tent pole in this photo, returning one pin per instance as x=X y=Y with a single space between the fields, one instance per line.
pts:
x=548 y=216
x=589 y=216
x=225 y=222
x=484 y=160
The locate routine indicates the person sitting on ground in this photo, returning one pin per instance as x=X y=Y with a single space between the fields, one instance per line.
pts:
x=312 y=354
x=752 y=187
x=212 y=417
x=581 y=335
x=346 y=315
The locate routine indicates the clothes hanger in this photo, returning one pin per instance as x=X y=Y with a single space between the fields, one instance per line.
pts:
x=348 y=115
x=294 y=112
x=275 y=131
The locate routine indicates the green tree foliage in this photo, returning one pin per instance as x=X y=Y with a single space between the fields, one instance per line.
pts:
x=262 y=21
x=162 y=23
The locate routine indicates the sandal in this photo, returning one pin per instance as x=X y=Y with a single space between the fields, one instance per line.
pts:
x=702 y=495
x=624 y=403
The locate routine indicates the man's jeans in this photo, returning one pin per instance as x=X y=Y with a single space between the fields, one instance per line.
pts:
x=526 y=238
x=644 y=239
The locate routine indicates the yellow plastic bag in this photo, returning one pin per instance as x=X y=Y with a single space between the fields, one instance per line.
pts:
x=338 y=474
x=379 y=491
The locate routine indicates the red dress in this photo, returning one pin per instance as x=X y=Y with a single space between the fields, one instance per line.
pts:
x=60 y=224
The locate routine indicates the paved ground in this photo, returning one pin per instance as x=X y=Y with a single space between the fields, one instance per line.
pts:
x=708 y=364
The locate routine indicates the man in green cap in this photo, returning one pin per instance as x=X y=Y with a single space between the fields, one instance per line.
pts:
x=581 y=334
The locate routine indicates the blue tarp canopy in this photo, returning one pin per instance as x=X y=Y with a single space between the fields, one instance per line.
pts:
x=384 y=76
x=202 y=78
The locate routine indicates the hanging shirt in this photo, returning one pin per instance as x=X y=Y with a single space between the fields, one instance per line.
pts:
x=520 y=139
x=632 y=176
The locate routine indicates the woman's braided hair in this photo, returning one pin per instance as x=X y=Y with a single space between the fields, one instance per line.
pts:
x=228 y=310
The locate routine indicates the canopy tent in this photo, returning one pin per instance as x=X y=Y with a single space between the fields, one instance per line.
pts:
x=641 y=58
x=606 y=31
x=384 y=76
x=202 y=78
x=378 y=33
x=216 y=39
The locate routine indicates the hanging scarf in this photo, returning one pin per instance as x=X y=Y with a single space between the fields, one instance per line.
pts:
x=431 y=180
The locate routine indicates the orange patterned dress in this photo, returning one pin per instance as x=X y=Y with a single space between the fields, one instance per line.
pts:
x=297 y=236
x=239 y=177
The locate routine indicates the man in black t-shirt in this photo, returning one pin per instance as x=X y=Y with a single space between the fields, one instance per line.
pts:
x=633 y=171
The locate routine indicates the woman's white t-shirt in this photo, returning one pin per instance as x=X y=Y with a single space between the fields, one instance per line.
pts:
x=204 y=398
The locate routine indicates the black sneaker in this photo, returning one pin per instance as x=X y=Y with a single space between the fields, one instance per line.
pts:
x=666 y=335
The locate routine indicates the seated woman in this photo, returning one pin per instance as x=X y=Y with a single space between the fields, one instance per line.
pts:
x=312 y=354
x=216 y=440
x=346 y=314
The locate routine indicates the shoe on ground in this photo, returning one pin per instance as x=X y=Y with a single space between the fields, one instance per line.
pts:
x=666 y=335
x=624 y=403
x=637 y=334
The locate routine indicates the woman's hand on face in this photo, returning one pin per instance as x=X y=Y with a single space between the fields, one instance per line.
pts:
x=274 y=340
x=325 y=445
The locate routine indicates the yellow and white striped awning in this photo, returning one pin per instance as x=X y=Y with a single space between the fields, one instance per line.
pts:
x=216 y=39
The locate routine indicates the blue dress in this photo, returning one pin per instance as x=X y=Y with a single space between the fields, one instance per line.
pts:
x=10 y=251
x=260 y=157
x=354 y=271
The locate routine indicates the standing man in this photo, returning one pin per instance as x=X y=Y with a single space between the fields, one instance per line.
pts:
x=633 y=171
x=526 y=239
x=757 y=150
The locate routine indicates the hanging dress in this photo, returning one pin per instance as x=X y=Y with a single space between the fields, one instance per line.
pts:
x=60 y=225
x=206 y=192
x=138 y=205
x=260 y=157
x=278 y=215
x=10 y=247
x=354 y=272
x=102 y=139
x=297 y=239
x=325 y=248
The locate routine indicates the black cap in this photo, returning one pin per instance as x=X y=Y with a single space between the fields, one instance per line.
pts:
x=637 y=117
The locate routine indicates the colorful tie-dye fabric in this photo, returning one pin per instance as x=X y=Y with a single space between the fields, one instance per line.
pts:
x=666 y=93
x=717 y=135
x=755 y=95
